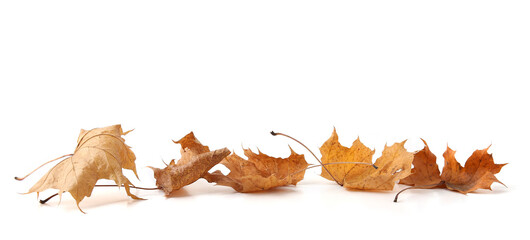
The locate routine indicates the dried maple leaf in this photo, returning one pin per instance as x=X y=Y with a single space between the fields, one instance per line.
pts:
x=190 y=146
x=393 y=165
x=425 y=171
x=176 y=176
x=101 y=153
x=478 y=172
x=196 y=160
x=260 y=171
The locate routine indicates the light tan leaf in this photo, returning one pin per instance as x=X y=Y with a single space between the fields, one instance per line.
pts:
x=101 y=153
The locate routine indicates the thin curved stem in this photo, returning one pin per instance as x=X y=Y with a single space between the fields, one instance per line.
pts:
x=418 y=187
x=332 y=163
x=285 y=135
x=111 y=185
x=114 y=185
x=22 y=178
x=48 y=199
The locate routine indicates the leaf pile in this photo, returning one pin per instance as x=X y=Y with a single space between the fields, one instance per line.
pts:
x=101 y=153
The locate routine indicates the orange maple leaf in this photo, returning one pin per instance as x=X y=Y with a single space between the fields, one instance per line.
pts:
x=260 y=171
x=352 y=167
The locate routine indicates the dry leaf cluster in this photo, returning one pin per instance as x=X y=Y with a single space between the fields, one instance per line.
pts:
x=101 y=153
x=259 y=172
x=478 y=172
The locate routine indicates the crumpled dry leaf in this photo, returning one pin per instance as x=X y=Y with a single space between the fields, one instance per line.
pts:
x=478 y=172
x=196 y=160
x=101 y=153
x=190 y=146
x=176 y=176
x=393 y=165
x=260 y=172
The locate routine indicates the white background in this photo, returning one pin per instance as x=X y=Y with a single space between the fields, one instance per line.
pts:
x=451 y=72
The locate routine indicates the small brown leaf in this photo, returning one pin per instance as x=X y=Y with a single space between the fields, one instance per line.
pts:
x=260 y=171
x=425 y=171
x=478 y=172
x=196 y=160
x=176 y=176
x=190 y=146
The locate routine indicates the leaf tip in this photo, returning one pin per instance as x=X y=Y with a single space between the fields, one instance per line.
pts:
x=291 y=149
x=126 y=132
x=80 y=209
x=424 y=142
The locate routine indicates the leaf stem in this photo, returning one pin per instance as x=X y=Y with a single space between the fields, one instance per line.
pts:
x=332 y=163
x=22 y=178
x=419 y=187
x=48 y=199
x=285 y=135
x=111 y=185
x=114 y=185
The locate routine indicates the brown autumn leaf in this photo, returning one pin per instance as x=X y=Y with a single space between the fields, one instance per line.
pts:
x=425 y=171
x=196 y=160
x=260 y=172
x=478 y=172
x=190 y=146
x=342 y=162
x=101 y=153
